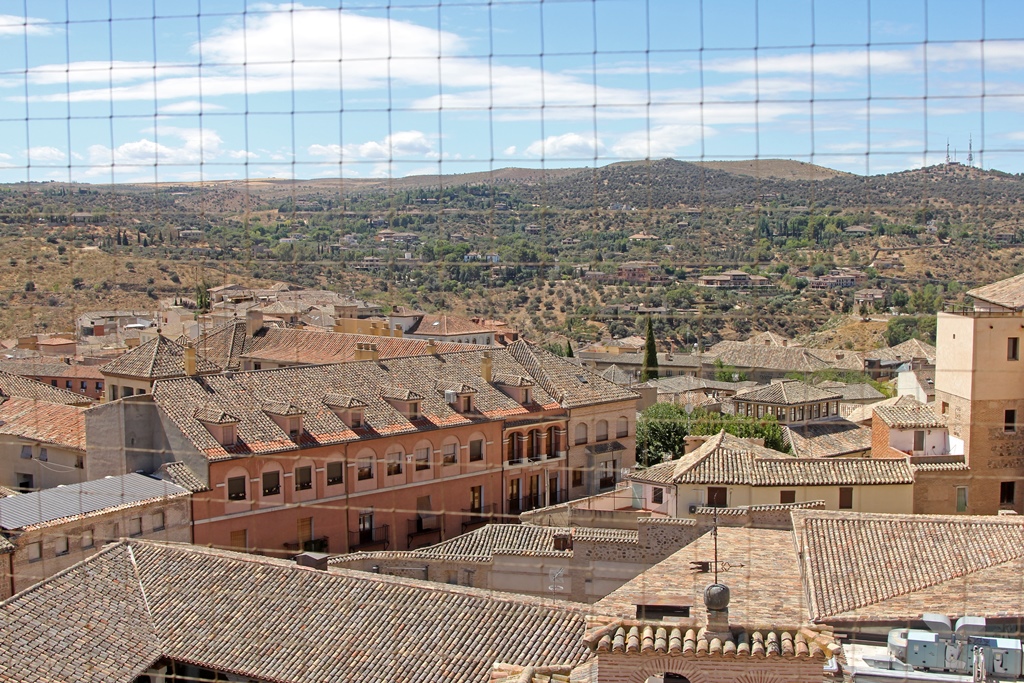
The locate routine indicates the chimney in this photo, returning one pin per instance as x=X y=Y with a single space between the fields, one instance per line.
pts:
x=373 y=329
x=190 y=361
x=312 y=560
x=372 y=353
x=486 y=367
x=360 y=351
x=431 y=349
x=253 y=322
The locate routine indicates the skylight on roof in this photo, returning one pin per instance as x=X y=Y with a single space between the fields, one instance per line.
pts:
x=582 y=379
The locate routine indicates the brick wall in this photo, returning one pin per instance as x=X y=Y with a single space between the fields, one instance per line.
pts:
x=879 y=438
x=615 y=668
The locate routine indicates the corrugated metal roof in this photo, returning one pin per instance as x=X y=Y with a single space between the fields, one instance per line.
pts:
x=29 y=509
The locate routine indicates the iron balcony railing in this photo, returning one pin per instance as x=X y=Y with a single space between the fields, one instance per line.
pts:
x=378 y=535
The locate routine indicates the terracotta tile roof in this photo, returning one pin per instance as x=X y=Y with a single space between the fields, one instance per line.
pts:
x=568 y=383
x=764 y=579
x=156 y=359
x=6 y=491
x=282 y=408
x=853 y=392
x=910 y=416
x=725 y=459
x=481 y=544
x=832 y=472
x=445 y=326
x=243 y=394
x=208 y=415
x=781 y=359
x=863 y=414
x=113 y=615
x=512 y=380
x=43 y=368
x=49 y=423
x=22 y=387
x=181 y=474
x=224 y=345
x=788 y=394
x=894 y=567
x=310 y=347
x=631 y=637
x=827 y=439
x=334 y=400
x=399 y=394
x=1008 y=293
x=959 y=466
x=767 y=338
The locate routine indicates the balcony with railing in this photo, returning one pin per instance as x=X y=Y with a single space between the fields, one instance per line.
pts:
x=313 y=545
x=375 y=537
x=558 y=497
x=424 y=527
x=476 y=517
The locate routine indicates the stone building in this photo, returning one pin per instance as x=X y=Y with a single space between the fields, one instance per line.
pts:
x=978 y=378
x=45 y=532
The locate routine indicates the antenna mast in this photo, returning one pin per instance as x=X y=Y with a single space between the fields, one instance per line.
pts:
x=970 y=151
x=947 y=152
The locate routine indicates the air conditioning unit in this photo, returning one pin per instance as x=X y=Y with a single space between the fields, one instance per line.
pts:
x=693 y=509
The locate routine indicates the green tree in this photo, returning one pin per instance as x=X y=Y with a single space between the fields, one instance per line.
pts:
x=660 y=434
x=568 y=349
x=202 y=297
x=649 y=369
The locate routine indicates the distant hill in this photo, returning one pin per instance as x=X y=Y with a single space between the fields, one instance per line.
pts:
x=783 y=169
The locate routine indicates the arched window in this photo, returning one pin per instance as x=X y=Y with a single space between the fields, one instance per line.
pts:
x=622 y=427
x=581 y=433
x=602 y=430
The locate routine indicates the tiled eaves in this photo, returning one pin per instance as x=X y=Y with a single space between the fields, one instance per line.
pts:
x=853 y=561
x=688 y=639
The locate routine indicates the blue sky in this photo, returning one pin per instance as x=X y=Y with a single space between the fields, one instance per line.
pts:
x=125 y=91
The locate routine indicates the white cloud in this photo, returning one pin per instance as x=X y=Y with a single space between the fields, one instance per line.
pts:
x=14 y=25
x=195 y=146
x=45 y=154
x=242 y=154
x=660 y=141
x=403 y=145
x=510 y=150
x=567 y=145
x=189 y=107
x=6 y=157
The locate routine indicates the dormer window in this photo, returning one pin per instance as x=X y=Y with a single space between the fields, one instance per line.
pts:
x=288 y=417
x=518 y=388
x=222 y=426
x=405 y=401
x=348 y=409
x=458 y=396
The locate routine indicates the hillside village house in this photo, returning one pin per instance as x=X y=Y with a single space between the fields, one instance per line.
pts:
x=734 y=279
x=789 y=402
x=42 y=444
x=728 y=472
x=45 y=532
x=978 y=380
x=376 y=453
